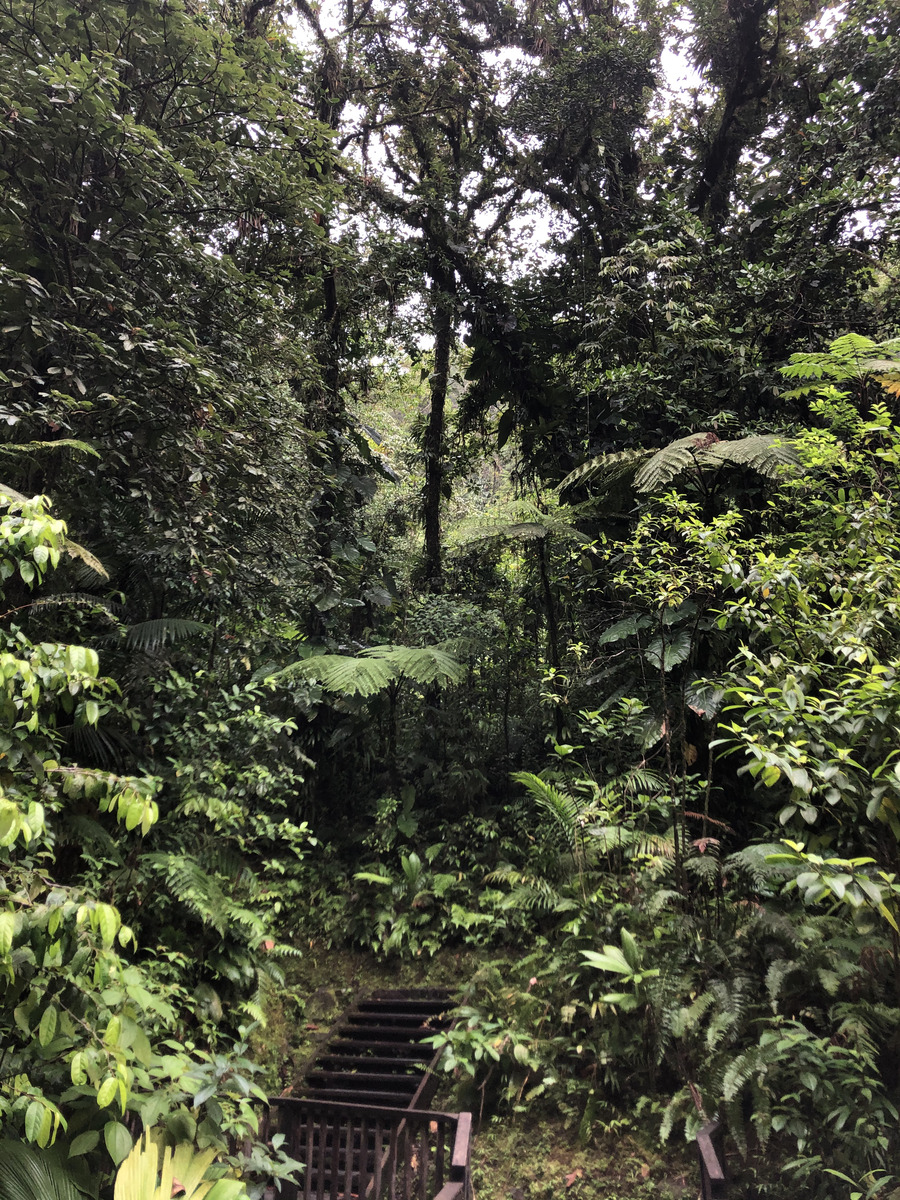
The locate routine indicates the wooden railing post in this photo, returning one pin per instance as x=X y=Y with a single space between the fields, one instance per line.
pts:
x=713 y=1183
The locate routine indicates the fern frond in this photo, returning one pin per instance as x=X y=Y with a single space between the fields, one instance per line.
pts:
x=672 y=460
x=562 y=808
x=193 y=887
x=607 y=470
x=376 y=668
x=528 y=893
x=421 y=664
x=31 y=448
x=687 y=1019
x=752 y=863
x=151 y=636
x=764 y=453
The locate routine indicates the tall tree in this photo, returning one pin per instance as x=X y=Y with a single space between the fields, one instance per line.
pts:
x=160 y=235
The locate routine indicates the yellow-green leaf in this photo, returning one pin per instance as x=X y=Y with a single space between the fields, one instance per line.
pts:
x=78 y=1068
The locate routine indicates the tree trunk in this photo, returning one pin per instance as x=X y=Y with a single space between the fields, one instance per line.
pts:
x=434 y=433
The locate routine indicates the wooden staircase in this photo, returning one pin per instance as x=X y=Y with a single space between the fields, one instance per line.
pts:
x=376 y=1053
x=360 y=1123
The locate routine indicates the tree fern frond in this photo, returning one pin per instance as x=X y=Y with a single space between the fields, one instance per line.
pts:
x=151 y=636
x=31 y=448
x=606 y=470
x=342 y=673
x=764 y=453
x=422 y=664
x=376 y=668
x=526 y=530
x=672 y=460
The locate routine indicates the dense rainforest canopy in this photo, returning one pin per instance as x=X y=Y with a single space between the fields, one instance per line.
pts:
x=448 y=475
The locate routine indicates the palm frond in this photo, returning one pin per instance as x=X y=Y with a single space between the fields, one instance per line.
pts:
x=26 y=1170
x=562 y=808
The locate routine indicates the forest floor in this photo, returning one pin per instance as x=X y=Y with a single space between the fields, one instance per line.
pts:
x=533 y=1155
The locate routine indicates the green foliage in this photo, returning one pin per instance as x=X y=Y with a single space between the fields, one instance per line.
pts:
x=377 y=668
x=650 y=470
x=26 y=1171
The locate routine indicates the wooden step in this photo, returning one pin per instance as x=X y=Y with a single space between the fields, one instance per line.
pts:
x=350 y=1096
x=413 y=1052
x=374 y=1032
x=424 y=1006
x=403 y=1083
x=365 y=1062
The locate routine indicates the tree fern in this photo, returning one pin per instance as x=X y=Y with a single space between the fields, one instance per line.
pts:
x=652 y=470
x=376 y=668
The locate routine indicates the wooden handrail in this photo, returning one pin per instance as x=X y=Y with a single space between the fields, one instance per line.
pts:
x=455 y=1190
x=386 y=1112
x=413 y=1152
x=462 y=1146
x=713 y=1181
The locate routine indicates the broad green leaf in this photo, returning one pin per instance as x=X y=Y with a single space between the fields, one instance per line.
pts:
x=84 y=1143
x=118 y=1140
